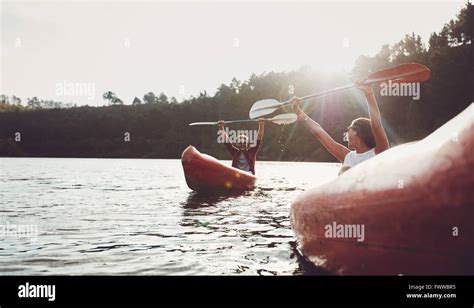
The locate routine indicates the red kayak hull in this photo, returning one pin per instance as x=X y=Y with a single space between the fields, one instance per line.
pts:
x=414 y=201
x=204 y=173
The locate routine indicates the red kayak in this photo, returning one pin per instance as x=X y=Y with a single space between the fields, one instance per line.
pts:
x=409 y=210
x=204 y=173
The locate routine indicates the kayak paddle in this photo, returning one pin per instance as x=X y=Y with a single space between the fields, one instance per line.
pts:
x=404 y=73
x=281 y=119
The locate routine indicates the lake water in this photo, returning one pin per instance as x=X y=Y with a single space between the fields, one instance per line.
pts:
x=61 y=216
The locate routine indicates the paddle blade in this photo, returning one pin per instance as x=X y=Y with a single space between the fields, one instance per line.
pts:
x=263 y=107
x=404 y=73
x=418 y=77
x=284 y=119
x=202 y=123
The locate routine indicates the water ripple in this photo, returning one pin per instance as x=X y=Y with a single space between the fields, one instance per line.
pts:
x=137 y=217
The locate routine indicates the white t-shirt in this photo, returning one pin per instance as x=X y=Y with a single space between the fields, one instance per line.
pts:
x=352 y=158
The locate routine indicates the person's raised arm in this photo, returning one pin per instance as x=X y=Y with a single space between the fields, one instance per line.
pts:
x=261 y=129
x=336 y=149
x=381 y=140
x=220 y=125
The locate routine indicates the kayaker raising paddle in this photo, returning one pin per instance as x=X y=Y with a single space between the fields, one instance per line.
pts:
x=366 y=137
x=243 y=155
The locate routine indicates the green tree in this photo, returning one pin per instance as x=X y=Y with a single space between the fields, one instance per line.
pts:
x=149 y=98
x=162 y=99
x=33 y=103
x=112 y=98
x=136 y=101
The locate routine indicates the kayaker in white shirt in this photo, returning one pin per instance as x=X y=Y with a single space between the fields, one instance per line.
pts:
x=366 y=137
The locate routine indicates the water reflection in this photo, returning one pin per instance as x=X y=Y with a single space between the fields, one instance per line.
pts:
x=251 y=228
x=197 y=200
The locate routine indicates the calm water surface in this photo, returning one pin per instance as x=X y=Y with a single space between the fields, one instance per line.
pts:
x=138 y=217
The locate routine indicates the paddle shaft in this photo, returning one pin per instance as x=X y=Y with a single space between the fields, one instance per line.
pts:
x=311 y=96
x=226 y=122
x=367 y=81
x=322 y=93
x=241 y=121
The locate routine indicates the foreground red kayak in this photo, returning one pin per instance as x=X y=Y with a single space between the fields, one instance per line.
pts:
x=409 y=210
x=204 y=173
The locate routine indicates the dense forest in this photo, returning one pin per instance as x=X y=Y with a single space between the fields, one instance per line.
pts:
x=157 y=126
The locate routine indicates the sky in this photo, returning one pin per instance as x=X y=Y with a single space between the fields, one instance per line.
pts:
x=75 y=51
